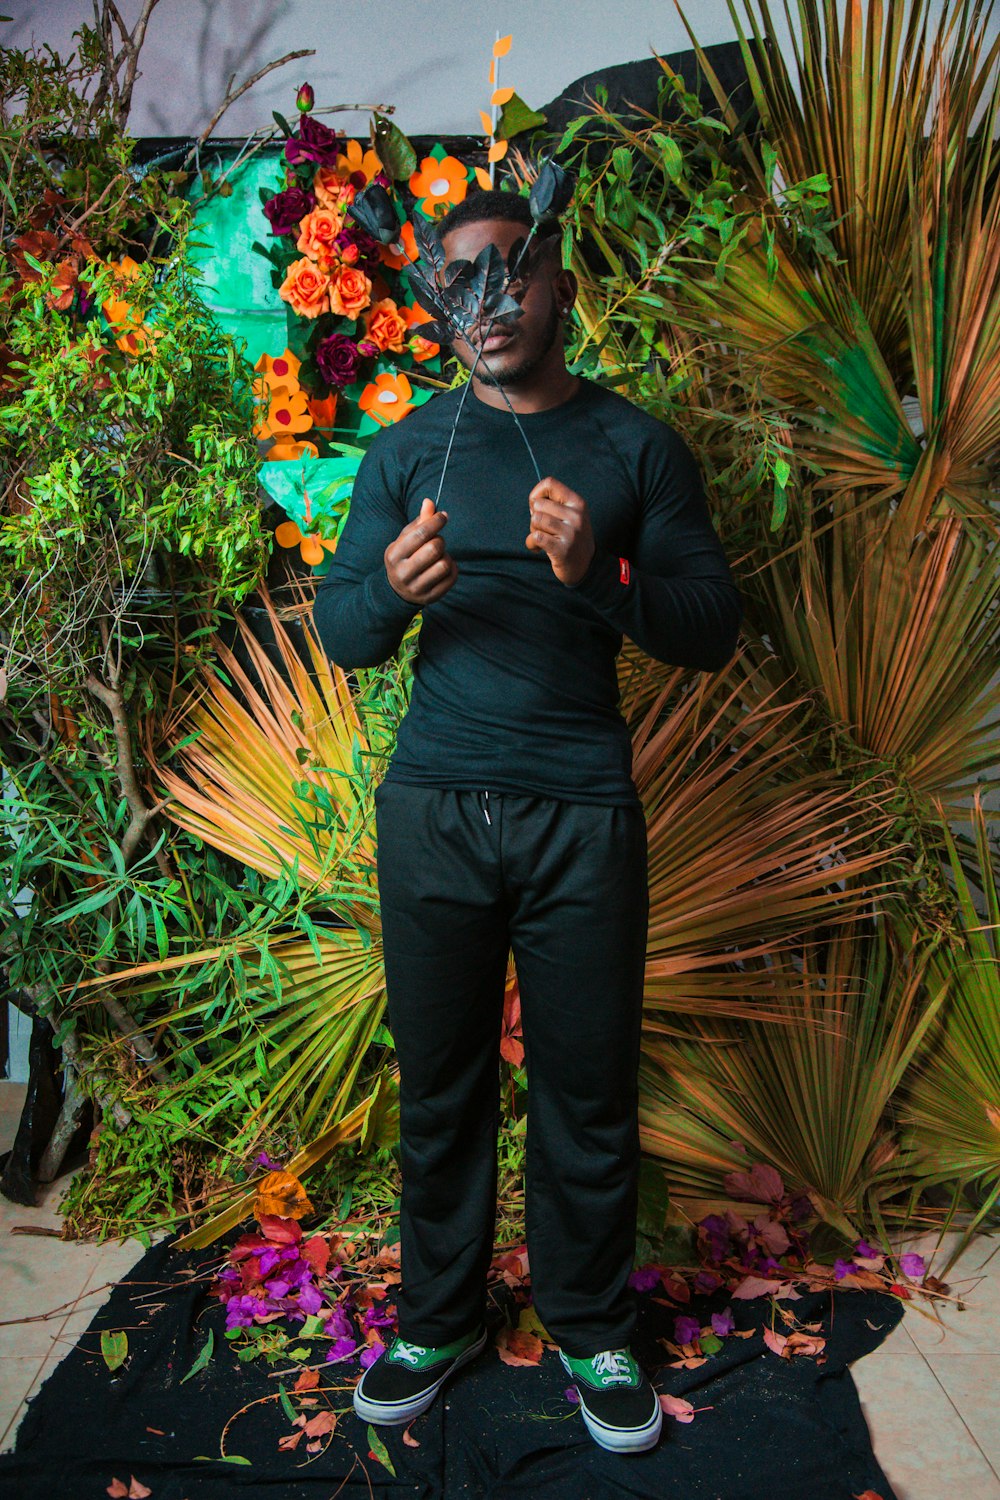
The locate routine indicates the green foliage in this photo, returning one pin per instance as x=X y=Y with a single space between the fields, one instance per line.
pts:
x=129 y=526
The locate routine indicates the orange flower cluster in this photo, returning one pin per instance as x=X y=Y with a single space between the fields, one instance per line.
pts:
x=285 y=410
x=311 y=287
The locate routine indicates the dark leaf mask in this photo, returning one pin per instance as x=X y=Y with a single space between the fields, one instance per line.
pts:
x=374 y=210
x=551 y=192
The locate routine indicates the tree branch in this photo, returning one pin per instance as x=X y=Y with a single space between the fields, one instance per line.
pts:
x=231 y=98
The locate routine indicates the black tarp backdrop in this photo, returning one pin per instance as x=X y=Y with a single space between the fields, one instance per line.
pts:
x=764 y=1426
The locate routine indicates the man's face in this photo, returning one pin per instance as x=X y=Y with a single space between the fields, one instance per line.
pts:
x=517 y=347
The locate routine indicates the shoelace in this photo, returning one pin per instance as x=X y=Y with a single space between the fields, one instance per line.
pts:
x=410 y=1352
x=614 y=1367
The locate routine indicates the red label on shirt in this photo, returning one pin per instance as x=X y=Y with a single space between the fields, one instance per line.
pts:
x=623 y=570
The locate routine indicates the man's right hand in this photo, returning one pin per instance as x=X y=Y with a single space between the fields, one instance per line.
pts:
x=416 y=563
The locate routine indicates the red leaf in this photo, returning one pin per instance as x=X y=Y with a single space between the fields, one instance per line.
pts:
x=137 y=1491
x=307 y=1381
x=410 y=1442
x=322 y=1422
x=512 y=1050
x=290 y=1441
x=316 y=1251
x=762 y=1184
x=247 y=1244
x=117 y=1489
x=281 y=1231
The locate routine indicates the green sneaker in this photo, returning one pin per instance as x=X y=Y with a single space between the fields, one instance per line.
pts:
x=403 y=1381
x=619 y=1406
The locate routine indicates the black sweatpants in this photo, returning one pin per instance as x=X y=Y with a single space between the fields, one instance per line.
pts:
x=463 y=877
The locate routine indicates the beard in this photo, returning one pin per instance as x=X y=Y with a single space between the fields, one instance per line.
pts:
x=529 y=362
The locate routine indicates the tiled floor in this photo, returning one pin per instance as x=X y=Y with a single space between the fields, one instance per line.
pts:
x=931 y=1396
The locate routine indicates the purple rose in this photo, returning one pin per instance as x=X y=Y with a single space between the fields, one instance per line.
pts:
x=337 y=359
x=868 y=1252
x=314 y=142
x=284 y=211
x=645 y=1278
x=843 y=1267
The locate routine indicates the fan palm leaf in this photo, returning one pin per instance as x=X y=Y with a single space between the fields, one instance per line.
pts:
x=810 y=1098
x=951 y=1099
x=750 y=844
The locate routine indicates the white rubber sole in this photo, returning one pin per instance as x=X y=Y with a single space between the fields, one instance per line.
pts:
x=617 y=1439
x=395 y=1413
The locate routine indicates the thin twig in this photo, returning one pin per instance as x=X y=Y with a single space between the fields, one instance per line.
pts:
x=231 y=98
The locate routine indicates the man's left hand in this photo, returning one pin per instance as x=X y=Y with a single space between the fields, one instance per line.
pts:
x=560 y=526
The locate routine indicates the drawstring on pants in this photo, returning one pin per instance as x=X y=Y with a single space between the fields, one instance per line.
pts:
x=486 y=811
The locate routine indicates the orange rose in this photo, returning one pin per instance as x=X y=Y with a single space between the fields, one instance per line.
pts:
x=307 y=288
x=386 y=327
x=350 y=291
x=317 y=232
x=332 y=189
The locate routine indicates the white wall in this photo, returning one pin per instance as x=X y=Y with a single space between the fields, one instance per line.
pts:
x=430 y=58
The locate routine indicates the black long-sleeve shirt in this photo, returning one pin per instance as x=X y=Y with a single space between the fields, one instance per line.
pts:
x=514 y=685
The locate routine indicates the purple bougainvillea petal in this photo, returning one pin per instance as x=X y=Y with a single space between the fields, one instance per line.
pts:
x=913 y=1265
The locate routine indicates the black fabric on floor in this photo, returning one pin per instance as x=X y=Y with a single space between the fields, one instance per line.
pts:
x=792 y=1428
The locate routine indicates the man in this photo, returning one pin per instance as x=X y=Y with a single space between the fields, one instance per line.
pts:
x=508 y=817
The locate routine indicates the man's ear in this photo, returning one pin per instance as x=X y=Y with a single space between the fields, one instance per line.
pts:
x=567 y=287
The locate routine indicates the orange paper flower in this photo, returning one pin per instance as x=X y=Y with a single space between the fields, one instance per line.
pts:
x=317 y=232
x=356 y=159
x=287 y=414
x=386 y=399
x=323 y=412
x=350 y=291
x=438 y=184
x=306 y=288
x=420 y=347
x=278 y=369
x=395 y=261
x=385 y=326
x=311 y=547
x=286 y=449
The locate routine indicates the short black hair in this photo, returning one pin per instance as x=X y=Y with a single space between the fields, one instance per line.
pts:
x=492 y=203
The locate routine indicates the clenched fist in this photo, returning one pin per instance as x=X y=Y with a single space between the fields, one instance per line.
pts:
x=417 y=562
x=560 y=526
